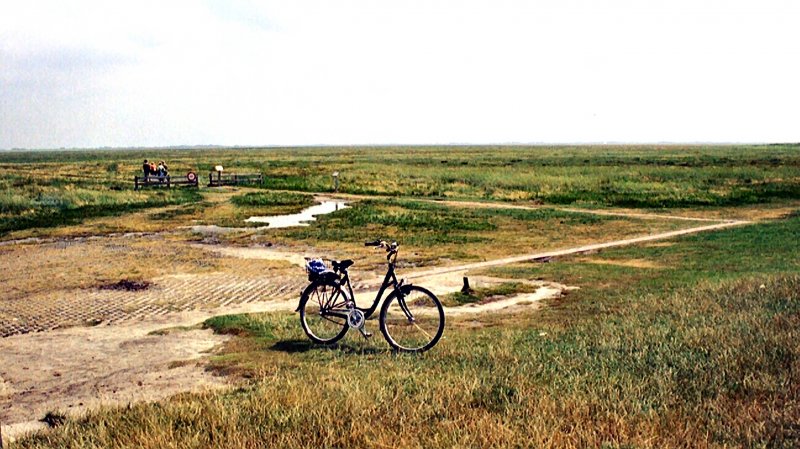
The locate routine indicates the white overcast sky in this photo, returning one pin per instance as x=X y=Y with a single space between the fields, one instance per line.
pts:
x=298 y=72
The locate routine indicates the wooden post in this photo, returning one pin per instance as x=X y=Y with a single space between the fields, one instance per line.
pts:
x=135 y=183
x=466 y=289
x=167 y=181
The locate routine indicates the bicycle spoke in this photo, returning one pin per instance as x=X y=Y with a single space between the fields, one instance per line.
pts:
x=331 y=320
x=321 y=322
x=423 y=331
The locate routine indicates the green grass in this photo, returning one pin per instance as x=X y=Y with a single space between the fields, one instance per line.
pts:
x=70 y=207
x=239 y=325
x=700 y=351
x=484 y=293
x=43 y=189
x=190 y=209
x=237 y=208
x=769 y=248
x=623 y=176
x=272 y=199
x=430 y=232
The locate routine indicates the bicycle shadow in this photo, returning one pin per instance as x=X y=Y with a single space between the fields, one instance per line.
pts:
x=296 y=346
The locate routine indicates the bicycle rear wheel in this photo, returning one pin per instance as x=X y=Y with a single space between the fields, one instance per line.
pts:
x=323 y=312
x=413 y=322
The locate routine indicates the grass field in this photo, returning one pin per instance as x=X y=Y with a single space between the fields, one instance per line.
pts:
x=697 y=350
x=689 y=342
x=48 y=188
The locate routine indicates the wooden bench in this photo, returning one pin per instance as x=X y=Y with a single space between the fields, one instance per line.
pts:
x=216 y=179
x=190 y=180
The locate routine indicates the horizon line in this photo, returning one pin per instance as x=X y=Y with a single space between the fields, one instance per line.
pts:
x=365 y=145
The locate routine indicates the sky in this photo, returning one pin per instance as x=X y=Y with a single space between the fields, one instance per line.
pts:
x=83 y=74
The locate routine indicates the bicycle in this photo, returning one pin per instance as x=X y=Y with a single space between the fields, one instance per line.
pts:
x=411 y=318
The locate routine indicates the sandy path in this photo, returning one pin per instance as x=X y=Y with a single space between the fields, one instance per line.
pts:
x=575 y=250
x=75 y=369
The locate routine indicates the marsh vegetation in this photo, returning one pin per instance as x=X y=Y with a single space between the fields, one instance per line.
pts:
x=690 y=342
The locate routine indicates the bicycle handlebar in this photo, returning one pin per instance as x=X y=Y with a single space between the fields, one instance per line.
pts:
x=383 y=244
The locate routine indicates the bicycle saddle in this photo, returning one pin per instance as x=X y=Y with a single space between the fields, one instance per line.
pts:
x=342 y=265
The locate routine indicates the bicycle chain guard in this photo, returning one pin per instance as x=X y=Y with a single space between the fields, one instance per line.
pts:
x=355 y=319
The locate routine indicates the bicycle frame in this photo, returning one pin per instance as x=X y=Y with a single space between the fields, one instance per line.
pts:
x=390 y=280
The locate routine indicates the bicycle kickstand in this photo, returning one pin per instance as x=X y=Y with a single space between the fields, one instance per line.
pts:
x=364 y=332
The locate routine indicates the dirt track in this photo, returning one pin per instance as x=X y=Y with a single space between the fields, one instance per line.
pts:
x=576 y=250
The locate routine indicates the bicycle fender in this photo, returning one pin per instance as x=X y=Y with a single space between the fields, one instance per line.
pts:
x=405 y=288
x=304 y=294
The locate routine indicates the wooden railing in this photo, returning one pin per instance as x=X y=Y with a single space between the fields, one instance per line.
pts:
x=216 y=179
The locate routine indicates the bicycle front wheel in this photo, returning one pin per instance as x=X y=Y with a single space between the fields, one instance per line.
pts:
x=323 y=312
x=413 y=321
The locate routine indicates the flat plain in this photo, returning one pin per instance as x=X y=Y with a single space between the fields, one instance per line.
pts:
x=671 y=341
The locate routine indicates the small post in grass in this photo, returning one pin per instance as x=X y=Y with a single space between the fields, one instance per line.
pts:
x=219 y=170
x=466 y=288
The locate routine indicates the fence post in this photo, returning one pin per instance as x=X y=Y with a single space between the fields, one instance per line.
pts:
x=135 y=183
x=466 y=288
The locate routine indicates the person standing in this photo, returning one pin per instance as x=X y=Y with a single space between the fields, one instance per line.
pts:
x=146 y=169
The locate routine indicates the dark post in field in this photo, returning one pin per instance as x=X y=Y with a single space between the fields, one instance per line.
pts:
x=466 y=288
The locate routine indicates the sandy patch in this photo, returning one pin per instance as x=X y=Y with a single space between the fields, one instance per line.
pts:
x=256 y=253
x=447 y=283
x=631 y=263
x=86 y=367
x=80 y=368
x=217 y=230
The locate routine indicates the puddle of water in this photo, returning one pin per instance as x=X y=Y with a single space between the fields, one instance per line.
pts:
x=276 y=221
x=301 y=219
